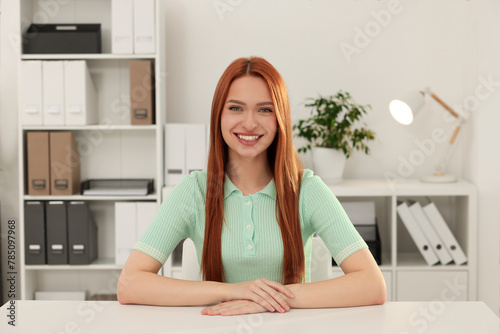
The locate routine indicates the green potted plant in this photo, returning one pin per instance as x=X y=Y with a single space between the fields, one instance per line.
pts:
x=333 y=132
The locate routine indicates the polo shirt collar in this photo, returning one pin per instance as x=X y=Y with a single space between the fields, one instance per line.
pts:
x=229 y=188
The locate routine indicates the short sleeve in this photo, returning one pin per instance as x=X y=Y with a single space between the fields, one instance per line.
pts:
x=173 y=222
x=322 y=213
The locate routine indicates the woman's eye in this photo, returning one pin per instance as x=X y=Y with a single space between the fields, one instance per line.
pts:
x=266 y=110
x=235 y=108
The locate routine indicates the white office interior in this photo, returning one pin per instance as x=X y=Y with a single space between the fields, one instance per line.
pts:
x=376 y=50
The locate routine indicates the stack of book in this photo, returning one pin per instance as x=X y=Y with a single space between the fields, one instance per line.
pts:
x=431 y=234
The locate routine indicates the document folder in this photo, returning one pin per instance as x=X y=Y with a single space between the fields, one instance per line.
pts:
x=57 y=232
x=34 y=238
x=118 y=187
x=142 y=92
x=64 y=164
x=53 y=92
x=196 y=153
x=80 y=96
x=122 y=26
x=144 y=26
x=175 y=153
x=125 y=230
x=82 y=234
x=31 y=93
x=38 y=176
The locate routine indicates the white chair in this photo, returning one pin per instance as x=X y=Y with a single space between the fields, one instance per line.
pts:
x=321 y=261
x=190 y=266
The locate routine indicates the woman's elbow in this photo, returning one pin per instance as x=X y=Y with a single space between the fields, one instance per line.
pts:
x=123 y=290
x=380 y=293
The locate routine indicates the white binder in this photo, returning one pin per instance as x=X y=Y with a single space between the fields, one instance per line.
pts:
x=444 y=232
x=53 y=92
x=360 y=213
x=431 y=235
x=125 y=230
x=175 y=153
x=122 y=26
x=31 y=94
x=146 y=211
x=80 y=96
x=417 y=235
x=196 y=148
x=144 y=26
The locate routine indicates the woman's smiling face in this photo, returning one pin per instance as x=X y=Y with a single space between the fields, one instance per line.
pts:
x=248 y=120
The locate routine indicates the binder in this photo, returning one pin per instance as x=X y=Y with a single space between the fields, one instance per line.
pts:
x=122 y=26
x=80 y=97
x=37 y=154
x=146 y=211
x=196 y=153
x=444 y=232
x=57 y=232
x=144 y=26
x=82 y=234
x=53 y=92
x=175 y=153
x=34 y=238
x=360 y=213
x=125 y=230
x=429 y=232
x=31 y=93
x=418 y=237
x=141 y=92
x=64 y=164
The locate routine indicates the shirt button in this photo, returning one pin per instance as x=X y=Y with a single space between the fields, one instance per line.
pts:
x=249 y=226
x=248 y=202
x=249 y=246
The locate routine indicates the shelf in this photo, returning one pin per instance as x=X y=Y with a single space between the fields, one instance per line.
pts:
x=415 y=261
x=98 y=127
x=151 y=197
x=99 y=264
x=89 y=56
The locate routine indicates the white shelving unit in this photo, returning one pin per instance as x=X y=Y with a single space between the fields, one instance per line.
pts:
x=113 y=148
x=407 y=275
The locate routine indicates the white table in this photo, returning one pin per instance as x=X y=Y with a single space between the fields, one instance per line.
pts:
x=111 y=317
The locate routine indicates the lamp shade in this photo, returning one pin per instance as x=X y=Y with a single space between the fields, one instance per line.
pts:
x=404 y=110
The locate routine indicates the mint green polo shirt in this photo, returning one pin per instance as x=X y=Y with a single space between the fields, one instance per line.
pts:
x=252 y=246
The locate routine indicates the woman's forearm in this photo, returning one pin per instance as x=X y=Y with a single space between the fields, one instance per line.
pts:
x=353 y=289
x=152 y=289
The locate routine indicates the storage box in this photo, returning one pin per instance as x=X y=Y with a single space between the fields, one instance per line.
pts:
x=117 y=187
x=63 y=38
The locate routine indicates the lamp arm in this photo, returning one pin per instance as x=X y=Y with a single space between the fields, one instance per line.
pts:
x=445 y=106
x=441 y=165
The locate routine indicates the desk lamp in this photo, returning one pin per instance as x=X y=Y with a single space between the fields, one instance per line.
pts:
x=404 y=111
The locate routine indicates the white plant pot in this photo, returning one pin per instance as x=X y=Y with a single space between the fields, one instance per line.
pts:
x=328 y=164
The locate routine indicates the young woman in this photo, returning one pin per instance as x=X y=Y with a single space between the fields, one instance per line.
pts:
x=250 y=215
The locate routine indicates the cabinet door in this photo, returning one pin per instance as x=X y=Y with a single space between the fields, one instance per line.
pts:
x=432 y=285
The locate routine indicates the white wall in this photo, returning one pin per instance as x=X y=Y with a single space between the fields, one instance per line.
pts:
x=445 y=45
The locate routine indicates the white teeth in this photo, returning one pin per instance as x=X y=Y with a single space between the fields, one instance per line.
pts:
x=248 y=138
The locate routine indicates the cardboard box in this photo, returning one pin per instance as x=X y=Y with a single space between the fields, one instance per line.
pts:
x=64 y=164
x=37 y=155
x=142 y=92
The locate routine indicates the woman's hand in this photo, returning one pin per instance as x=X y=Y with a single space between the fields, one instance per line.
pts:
x=268 y=294
x=234 y=307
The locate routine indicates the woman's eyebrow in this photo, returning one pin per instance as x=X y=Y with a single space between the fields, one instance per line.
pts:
x=244 y=104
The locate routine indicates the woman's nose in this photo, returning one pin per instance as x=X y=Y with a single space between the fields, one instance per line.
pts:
x=250 y=122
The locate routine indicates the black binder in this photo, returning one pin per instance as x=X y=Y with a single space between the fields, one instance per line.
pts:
x=82 y=234
x=34 y=227
x=57 y=236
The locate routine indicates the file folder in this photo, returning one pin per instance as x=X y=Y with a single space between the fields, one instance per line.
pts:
x=144 y=26
x=444 y=232
x=31 y=93
x=53 y=92
x=196 y=153
x=80 y=95
x=82 y=234
x=146 y=211
x=34 y=235
x=57 y=232
x=175 y=153
x=430 y=234
x=64 y=164
x=38 y=177
x=142 y=92
x=125 y=230
x=418 y=236
x=360 y=213
x=122 y=26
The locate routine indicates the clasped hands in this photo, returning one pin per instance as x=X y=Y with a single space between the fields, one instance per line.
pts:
x=256 y=296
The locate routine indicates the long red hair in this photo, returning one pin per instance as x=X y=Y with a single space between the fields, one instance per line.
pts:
x=283 y=160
